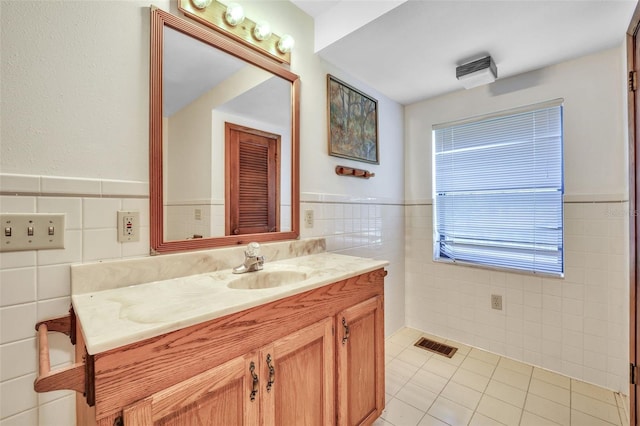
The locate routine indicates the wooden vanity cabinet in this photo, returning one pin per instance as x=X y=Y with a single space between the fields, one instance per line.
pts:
x=286 y=383
x=360 y=368
x=320 y=353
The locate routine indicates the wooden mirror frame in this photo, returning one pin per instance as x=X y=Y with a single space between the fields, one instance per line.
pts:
x=160 y=19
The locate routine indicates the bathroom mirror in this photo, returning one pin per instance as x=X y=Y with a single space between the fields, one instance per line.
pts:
x=205 y=91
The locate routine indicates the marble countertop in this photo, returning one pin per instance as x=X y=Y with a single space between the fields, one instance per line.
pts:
x=118 y=316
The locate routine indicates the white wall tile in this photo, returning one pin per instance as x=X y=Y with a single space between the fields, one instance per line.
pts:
x=17 y=204
x=19 y=183
x=72 y=252
x=124 y=188
x=52 y=308
x=17 y=395
x=60 y=412
x=63 y=185
x=100 y=212
x=26 y=418
x=17 y=259
x=587 y=306
x=99 y=244
x=71 y=207
x=18 y=359
x=17 y=286
x=54 y=281
x=17 y=322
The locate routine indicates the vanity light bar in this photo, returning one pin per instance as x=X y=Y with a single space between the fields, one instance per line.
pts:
x=234 y=24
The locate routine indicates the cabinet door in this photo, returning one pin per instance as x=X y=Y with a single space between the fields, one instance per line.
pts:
x=301 y=369
x=220 y=396
x=360 y=364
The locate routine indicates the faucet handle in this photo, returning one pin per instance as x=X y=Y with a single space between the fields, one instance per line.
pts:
x=253 y=249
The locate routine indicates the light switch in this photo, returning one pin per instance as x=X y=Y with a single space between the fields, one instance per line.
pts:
x=32 y=231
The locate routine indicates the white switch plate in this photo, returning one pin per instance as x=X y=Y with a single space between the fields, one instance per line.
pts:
x=31 y=231
x=128 y=226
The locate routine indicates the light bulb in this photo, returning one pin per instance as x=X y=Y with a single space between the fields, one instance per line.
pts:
x=262 y=30
x=201 y=4
x=286 y=43
x=234 y=14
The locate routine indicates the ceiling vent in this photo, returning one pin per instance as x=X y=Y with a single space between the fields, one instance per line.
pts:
x=477 y=73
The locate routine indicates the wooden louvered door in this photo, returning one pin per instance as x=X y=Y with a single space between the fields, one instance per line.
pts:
x=253 y=181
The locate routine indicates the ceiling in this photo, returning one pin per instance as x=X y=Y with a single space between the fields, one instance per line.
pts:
x=409 y=53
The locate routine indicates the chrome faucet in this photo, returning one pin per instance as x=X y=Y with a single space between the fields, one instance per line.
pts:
x=253 y=261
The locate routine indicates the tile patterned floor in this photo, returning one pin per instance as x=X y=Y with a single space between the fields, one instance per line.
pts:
x=476 y=387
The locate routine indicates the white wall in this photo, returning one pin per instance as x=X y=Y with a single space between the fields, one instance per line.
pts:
x=577 y=325
x=74 y=132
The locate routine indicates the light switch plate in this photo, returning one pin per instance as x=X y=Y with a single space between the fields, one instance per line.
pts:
x=128 y=226
x=31 y=231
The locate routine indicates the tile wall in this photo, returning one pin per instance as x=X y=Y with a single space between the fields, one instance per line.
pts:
x=577 y=326
x=367 y=227
x=35 y=285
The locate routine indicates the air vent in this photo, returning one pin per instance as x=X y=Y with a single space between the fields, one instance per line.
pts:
x=436 y=347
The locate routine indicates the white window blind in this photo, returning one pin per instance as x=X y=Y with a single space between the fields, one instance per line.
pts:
x=498 y=186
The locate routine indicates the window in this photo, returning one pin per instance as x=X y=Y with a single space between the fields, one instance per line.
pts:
x=498 y=186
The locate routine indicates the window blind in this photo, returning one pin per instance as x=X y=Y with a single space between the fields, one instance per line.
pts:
x=498 y=187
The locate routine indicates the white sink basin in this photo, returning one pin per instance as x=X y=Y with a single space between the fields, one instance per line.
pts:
x=266 y=279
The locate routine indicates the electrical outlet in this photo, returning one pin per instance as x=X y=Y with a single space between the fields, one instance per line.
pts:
x=128 y=226
x=496 y=302
x=308 y=218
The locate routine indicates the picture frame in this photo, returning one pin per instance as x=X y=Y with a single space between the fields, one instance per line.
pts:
x=352 y=118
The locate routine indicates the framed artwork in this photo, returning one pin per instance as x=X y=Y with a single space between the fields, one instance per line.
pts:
x=353 y=122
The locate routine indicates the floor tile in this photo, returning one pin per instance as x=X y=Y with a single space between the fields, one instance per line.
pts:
x=416 y=396
x=593 y=391
x=530 y=419
x=595 y=407
x=392 y=349
x=470 y=379
x=482 y=420
x=462 y=348
x=429 y=381
x=579 y=418
x=404 y=337
x=450 y=412
x=550 y=391
x=381 y=422
x=428 y=420
x=463 y=395
x=512 y=378
x=517 y=366
x=439 y=367
x=506 y=393
x=414 y=356
x=499 y=410
x=476 y=387
x=401 y=414
x=485 y=356
x=478 y=366
x=548 y=409
x=456 y=359
x=551 y=377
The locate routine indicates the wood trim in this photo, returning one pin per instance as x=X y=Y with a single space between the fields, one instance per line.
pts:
x=633 y=65
x=132 y=372
x=159 y=19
